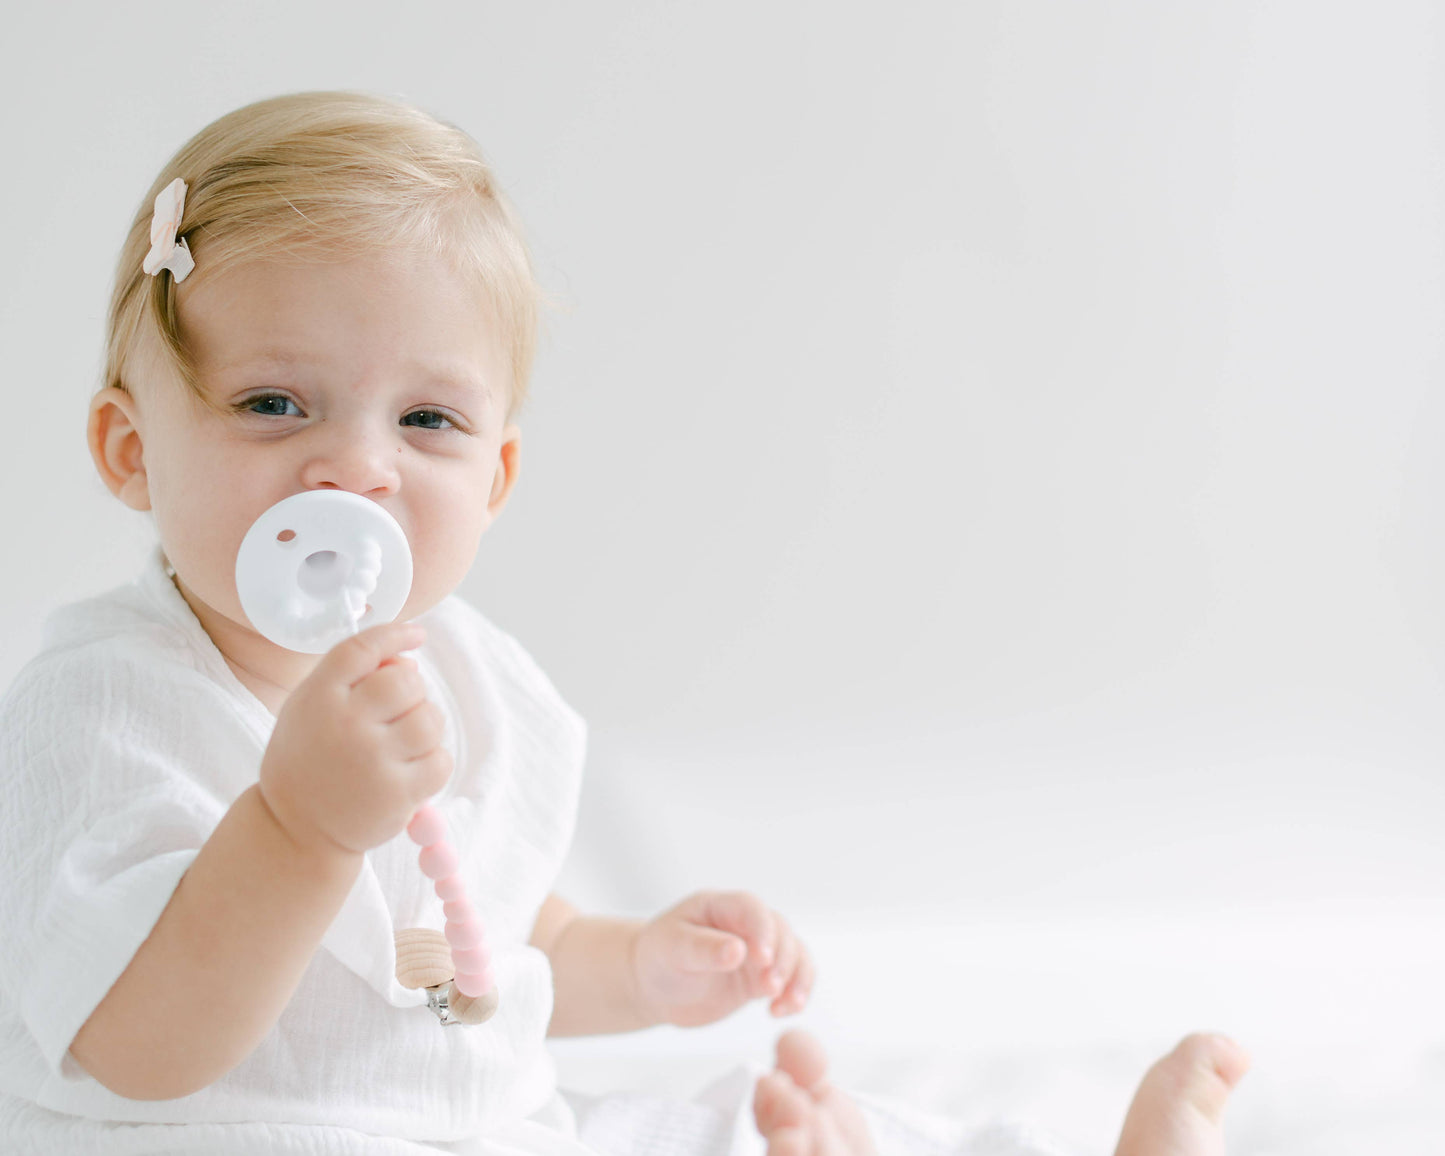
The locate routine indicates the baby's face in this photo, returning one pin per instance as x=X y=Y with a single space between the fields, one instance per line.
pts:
x=385 y=376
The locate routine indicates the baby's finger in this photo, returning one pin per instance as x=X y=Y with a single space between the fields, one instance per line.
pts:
x=431 y=772
x=415 y=733
x=707 y=949
x=390 y=691
x=795 y=996
x=745 y=915
x=352 y=659
x=777 y=977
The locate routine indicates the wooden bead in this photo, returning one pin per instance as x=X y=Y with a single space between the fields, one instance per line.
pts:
x=472 y=1010
x=423 y=958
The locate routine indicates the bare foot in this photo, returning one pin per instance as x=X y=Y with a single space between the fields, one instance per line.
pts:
x=1177 y=1109
x=799 y=1112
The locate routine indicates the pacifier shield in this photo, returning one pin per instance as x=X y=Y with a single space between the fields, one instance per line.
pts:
x=321 y=565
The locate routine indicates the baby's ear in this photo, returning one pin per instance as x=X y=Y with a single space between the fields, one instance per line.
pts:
x=113 y=434
x=508 y=463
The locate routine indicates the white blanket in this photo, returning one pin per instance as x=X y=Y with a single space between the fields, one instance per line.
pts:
x=1053 y=1021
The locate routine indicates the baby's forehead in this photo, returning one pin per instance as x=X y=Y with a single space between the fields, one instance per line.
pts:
x=412 y=317
x=232 y=289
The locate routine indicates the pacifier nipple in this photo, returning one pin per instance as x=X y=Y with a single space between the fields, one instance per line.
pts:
x=320 y=566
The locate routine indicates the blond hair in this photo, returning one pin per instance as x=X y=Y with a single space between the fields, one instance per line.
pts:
x=317 y=176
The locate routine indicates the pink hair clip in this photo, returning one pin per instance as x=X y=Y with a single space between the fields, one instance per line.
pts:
x=169 y=251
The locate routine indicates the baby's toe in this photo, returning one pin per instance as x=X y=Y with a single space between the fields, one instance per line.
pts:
x=790 y=1142
x=801 y=1056
x=1204 y=1069
x=779 y=1105
x=810 y=1118
x=1178 y=1108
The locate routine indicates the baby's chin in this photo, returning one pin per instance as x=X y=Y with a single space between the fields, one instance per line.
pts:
x=427 y=592
x=226 y=623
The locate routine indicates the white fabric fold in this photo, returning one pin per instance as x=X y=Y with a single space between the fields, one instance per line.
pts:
x=122 y=745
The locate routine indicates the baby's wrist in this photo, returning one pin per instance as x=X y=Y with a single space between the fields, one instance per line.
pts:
x=597 y=988
x=317 y=847
x=641 y=1009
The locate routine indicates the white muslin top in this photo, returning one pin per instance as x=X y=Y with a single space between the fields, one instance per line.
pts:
x=122 y=744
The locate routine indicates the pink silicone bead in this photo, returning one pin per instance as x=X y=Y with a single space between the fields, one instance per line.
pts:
x=438 y=861
x=451 y=888
x=468 y=934
x=459 y=910
x=471 y=959
x=474 y=985
x=427 y=826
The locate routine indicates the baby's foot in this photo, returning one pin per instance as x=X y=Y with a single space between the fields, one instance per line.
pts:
x=1177 y=1109
x=800 y=1113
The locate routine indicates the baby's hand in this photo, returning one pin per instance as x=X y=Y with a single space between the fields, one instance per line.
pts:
x=712 y=953
x=357 y=745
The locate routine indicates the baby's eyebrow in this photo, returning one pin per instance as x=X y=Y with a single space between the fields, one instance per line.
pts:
x=457 y=375
x=263 y=358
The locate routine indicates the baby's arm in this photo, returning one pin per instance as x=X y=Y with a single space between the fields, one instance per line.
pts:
x=356 y=749
x=592 y=978
x=693 y=964
x=222 y=961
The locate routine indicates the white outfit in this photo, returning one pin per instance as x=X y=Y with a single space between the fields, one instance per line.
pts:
x=122 y=745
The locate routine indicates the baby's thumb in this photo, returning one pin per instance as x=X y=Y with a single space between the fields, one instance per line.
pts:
x=708 y=949
x=354 y=658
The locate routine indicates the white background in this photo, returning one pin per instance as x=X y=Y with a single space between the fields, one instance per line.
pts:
x=985 y=461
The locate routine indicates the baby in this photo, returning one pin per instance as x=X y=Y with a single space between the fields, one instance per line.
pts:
x=327 y=291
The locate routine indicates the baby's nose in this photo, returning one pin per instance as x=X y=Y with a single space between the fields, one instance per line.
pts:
x=356 y=459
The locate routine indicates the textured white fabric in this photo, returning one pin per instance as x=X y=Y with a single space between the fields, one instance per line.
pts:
x=718 y=1121
x=124 y=742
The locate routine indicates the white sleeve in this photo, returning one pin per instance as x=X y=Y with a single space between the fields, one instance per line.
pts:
x=98 y=822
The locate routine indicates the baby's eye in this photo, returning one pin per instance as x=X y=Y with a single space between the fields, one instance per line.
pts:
x=248 y=406
x=430 y=413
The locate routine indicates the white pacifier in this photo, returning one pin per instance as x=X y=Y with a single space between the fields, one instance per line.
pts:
x=320 y=566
